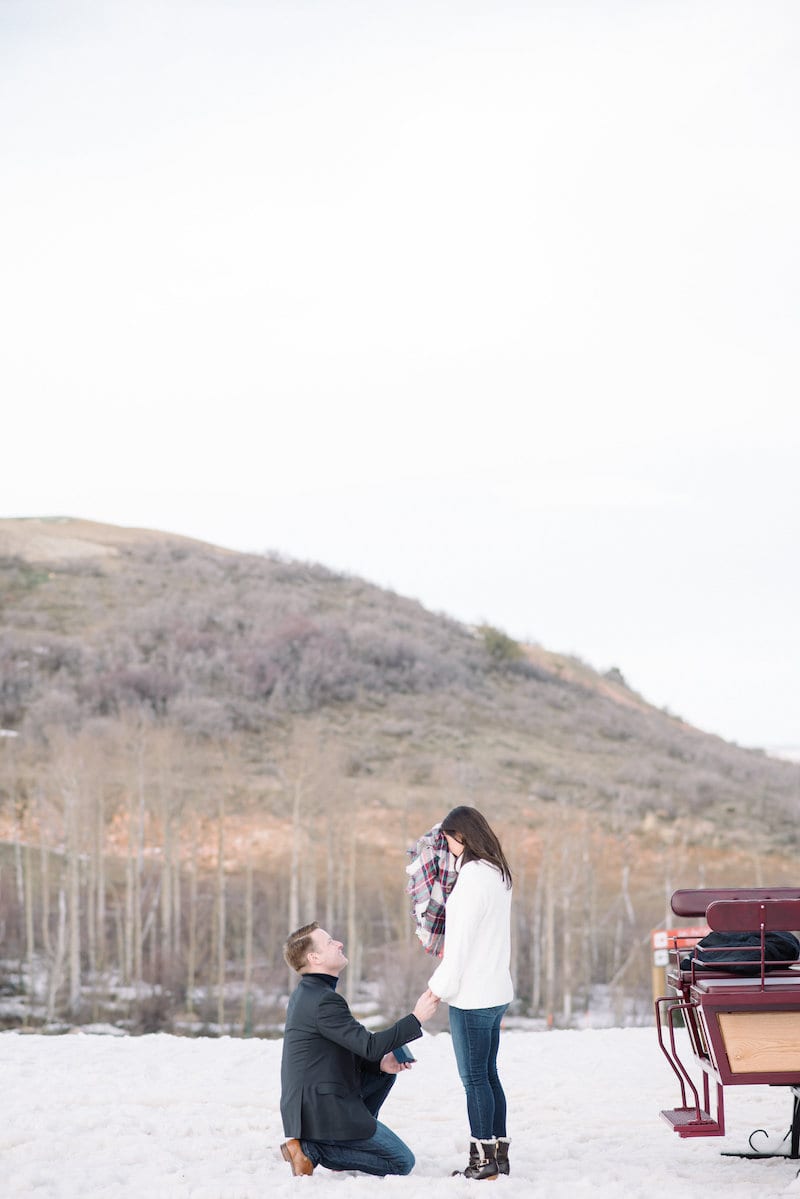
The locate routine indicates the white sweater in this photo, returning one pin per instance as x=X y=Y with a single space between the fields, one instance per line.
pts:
x=474 y=971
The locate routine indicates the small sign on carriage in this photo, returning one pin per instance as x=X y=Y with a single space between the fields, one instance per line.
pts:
x=664 y=939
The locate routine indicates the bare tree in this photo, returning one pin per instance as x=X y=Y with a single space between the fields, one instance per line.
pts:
x=248 y=946
x=191 y=952
x=220 y=911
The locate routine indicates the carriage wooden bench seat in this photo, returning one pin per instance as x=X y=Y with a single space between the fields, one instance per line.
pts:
x=742 y=1030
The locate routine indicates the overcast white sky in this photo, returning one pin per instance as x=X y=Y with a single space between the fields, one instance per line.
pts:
x=493 y=303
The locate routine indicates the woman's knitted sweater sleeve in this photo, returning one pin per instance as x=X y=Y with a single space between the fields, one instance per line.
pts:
x=466 y=909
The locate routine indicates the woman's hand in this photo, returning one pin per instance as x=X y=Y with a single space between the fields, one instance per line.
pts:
x=426 y=1006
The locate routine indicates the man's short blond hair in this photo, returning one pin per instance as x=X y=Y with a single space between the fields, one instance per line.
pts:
x=296 y=949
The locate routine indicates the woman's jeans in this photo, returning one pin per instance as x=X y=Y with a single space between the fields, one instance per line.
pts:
x=382 y=1153
x=476 y=1036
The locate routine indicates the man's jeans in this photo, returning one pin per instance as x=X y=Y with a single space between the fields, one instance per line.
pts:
x=476 y=1036
x=382 y=1153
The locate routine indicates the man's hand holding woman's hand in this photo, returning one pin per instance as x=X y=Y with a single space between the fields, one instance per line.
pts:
x=426 y=1006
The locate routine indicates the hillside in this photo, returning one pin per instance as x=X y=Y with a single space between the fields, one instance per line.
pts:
x=223 y=707
x=99 y=621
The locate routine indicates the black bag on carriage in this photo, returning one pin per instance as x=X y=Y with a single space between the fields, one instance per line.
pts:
x=740 y=953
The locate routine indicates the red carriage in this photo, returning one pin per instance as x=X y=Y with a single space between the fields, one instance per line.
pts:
x=743 y=1029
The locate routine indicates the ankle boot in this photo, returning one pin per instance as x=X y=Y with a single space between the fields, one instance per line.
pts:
x=473 y=1158
x=482 y=1162
x=502 y=1155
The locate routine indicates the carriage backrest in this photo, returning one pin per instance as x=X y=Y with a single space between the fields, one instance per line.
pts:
x=696 y=902
x=750 y=915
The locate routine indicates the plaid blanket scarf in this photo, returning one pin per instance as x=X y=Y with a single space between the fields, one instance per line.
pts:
x=432 y=874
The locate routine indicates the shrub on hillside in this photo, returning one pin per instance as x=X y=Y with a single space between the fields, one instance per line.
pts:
x=500 y=647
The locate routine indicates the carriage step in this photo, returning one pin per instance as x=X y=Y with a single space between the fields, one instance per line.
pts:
x=684 y=1121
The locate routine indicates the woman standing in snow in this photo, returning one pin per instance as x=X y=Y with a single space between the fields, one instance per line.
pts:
x=474 y=978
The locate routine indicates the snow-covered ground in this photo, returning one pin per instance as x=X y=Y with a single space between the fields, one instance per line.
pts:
x=93 y=1117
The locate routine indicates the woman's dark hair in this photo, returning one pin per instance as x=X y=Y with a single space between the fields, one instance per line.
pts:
x=480 y=843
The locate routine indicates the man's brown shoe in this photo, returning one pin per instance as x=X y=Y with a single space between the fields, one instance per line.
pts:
x=292 y=1150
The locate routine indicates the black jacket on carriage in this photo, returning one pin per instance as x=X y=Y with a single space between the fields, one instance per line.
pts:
x=740 y=953
x=325 y=1052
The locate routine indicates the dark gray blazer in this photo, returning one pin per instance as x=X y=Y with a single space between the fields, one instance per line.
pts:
x=325 y=1050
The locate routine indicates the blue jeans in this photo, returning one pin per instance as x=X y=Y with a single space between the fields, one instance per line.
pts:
x=382 y=1153
x=476 y=1037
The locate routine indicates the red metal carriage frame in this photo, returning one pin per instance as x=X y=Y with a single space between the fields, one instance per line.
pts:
x=737 y=1034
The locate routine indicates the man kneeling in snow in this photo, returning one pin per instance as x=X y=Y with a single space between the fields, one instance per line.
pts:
x=335 y=1074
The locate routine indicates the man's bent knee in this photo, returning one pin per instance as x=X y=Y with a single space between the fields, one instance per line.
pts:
x=404 y=1164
